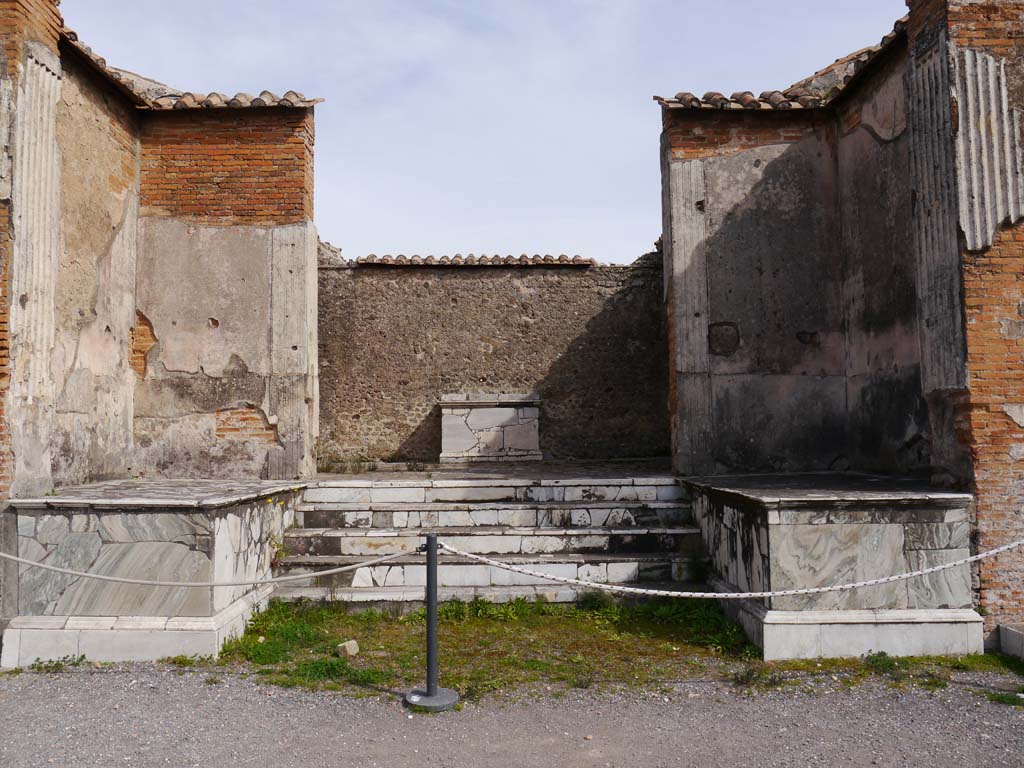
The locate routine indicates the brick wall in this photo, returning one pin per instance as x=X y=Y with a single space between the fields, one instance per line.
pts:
x=248 y=423
x=992 y=414
x=994 y=27
x=37 y=20
x=693 y=134
x=141 y=341
x=252 y=166
x=994 y=420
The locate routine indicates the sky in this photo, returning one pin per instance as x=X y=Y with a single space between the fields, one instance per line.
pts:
x=483 y=126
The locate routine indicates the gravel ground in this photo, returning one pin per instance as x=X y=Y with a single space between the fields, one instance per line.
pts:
x=146 y=715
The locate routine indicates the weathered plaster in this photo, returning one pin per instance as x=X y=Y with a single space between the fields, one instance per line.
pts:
x=36 y=203
x=235 y=332
x=95 y=288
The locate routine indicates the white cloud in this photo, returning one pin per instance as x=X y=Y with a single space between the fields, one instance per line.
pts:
x=483 y=126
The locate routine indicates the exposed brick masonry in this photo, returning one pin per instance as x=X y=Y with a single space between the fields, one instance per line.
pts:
x=247 y=423
x=693 y=135
x=995 y=357
x=251 y=166
x=142 y=340
x=994 y=298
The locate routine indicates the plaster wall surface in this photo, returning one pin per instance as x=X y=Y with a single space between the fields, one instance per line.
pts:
x=793 y=279
x=889 y=425
x=229 y=313
x=95 y=283
x=590 y=342
x=757 y=285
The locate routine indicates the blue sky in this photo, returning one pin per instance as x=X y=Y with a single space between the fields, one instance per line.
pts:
x=483 y=126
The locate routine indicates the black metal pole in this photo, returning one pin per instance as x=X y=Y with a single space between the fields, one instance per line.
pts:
x=431 y=614
x=434 y=698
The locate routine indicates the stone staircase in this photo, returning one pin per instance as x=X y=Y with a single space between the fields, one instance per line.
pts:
x=595 y=523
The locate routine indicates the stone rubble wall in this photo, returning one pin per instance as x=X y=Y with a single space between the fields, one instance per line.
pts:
x=589 y=341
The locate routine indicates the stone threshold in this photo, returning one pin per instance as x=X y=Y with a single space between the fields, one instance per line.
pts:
x=414 y=595
x=126 y=638
x=560 y=558
x=158 y=494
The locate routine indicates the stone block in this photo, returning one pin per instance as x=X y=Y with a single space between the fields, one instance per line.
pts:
x=347 y=649
x=1011 y=640
x=146 y=644
x=491 y=418
x=489 y=428
x=397 y=495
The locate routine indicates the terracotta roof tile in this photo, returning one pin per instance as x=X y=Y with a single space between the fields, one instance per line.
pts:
x=150 y=94
x=471 y=260
x=810 y=93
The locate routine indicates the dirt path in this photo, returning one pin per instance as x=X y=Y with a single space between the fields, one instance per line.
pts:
x=149 y=716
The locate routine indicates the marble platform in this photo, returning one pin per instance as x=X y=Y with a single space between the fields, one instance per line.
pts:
x=484 y=427
x=778 y=532
x=189 y=530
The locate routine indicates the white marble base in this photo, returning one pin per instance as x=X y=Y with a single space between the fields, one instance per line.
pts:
x=490 y=427
x=847 y=634
x=1011 y=640
x=126 y=638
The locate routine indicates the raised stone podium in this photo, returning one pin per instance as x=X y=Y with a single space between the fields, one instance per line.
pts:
x=490 y=427
x=182 y=531
x=779 y=532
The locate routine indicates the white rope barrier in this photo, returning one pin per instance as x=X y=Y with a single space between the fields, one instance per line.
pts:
x=525 y=572
x=245 y=583
x=730 y=595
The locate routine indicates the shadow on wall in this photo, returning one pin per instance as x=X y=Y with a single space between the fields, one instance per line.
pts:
x=590 y=341
x=806 y=353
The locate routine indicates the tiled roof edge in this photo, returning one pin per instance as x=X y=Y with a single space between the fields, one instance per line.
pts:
x=471 y=260
x=810 y=93
x=171 y=99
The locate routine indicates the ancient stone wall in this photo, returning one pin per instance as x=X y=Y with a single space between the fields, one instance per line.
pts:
x=589 y=340
x=757 y=283
x=225 y=349
x=29 y=30
x=793 y=280
x=888 y=415
x=95 y=284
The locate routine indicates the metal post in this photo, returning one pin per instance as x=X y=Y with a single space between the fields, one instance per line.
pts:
x=433 y=699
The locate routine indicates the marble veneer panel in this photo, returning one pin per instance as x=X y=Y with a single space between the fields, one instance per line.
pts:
x=789 y=532
x=488 y=427
x=232 y=541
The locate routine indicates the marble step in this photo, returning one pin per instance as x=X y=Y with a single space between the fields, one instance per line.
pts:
x=523 y=514
x=412 y=596
x=426 y=490
x=456 y=571
x=496 y=540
